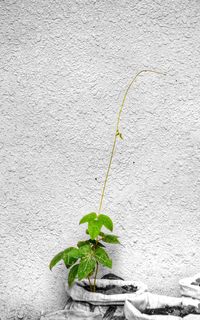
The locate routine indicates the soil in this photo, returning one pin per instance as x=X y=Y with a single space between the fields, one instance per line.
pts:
x=112 y=289
x=196 y=282
x=179 y=311
x=112 y=276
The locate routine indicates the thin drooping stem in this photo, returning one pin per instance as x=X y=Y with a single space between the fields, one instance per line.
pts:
x=118 y=134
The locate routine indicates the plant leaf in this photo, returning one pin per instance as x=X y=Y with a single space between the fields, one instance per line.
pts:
x=94 y=228
x=86 y=267
x=70 y=256
x=82 y=243
x=119 y=134
x=106 y=221
x=102 y=257
x=56 y=259
x=100 y=245
x=84 y=250
x=72 y=274
x=110 y=238
x=88 y=217
x=72 y=252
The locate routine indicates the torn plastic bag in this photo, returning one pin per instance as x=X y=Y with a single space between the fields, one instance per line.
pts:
x=107 y=303
x=134 y=308
x=113 y=292
x=190 y=287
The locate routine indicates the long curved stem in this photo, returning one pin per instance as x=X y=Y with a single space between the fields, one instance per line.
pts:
x=117 y=132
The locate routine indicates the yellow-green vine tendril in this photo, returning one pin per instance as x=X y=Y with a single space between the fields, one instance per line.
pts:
x=118 y=133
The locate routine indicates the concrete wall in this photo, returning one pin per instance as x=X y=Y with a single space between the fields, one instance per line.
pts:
x=63 y=71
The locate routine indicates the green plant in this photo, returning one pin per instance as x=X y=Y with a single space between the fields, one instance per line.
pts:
x=83 y=260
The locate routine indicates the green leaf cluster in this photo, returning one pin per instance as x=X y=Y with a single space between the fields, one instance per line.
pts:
x=83 y=260
x=96 y=222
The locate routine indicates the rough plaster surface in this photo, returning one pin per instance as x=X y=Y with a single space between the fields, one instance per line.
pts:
x=63 y=69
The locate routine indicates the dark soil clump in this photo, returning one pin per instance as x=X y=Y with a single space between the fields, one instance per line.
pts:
x=112 y=289
x=196 y=282
x=179 y=311
x=112 y=276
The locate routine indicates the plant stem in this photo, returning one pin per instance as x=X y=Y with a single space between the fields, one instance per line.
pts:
x=90 y=284
x=95 y=276
x=117 y=133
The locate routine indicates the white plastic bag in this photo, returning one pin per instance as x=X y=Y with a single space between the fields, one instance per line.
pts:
x=95 y=311
x=78 y=293
x=188 y=288
x=135 y=307
x=88 y=305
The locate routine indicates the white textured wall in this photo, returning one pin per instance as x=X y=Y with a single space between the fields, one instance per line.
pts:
x=63 y=70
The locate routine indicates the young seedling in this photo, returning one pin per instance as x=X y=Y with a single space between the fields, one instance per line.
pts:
x=83 y=261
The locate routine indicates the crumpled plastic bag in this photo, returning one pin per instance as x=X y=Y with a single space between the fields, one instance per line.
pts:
x=135 y=307
x=95 y=311
x=188 y=288
x=75 y=310
x=78 y=293
x=88 y=305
